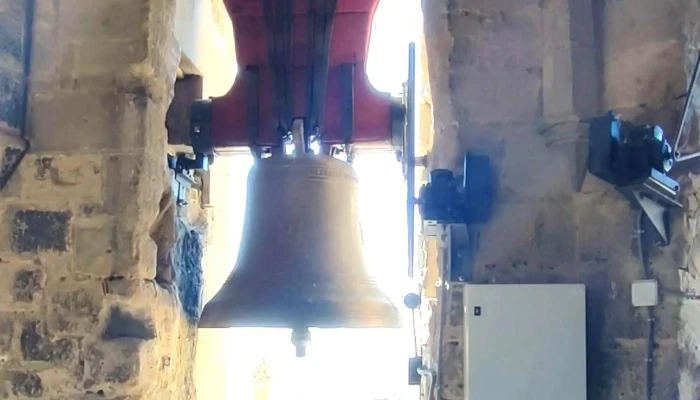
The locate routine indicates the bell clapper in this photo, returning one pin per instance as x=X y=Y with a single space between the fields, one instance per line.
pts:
x=301 y=339
x=298 y=137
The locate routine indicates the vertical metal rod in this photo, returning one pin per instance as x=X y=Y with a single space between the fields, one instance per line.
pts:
x=347 y=115
x=298 y=137
x=325 y=15
x=646 y=274
x=415 y=334
x=684 y=116
x=410 y=154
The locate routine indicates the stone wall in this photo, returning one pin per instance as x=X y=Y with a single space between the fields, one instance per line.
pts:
x=82 y=219
x=516 y=79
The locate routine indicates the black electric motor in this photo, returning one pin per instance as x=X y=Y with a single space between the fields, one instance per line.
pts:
x=623 y=154
x=636 y=160
x=466 y=199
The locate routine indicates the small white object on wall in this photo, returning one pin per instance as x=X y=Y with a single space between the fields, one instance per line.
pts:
x=645 y=293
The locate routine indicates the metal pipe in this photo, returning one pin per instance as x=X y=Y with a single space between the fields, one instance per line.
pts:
x=684 y=116
x=410 y=155
x=649 y=378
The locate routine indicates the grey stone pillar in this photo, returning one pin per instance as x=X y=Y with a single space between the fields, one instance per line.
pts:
x=82 y=219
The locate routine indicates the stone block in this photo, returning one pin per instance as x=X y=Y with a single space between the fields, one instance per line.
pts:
x=558 y=86
x=632 y=82
x=76 y=177
x=503 y=95
x=34 y=231
x=90 y=209
x=620 y=373
x=48 y=51
x=510 y=42
x=25 y=384
x=103 y=21
x=132 y=290
x=526 y=149
x=631 y=24
x=28 y=285
x=134 y=197
x=491 y=6
x=7 y=330
x=137 y=184
x=119 y=367
x=603 y=220
x=61 y=382
x=105 y=63
x=123 y=324
x=136 y=253
x=38 y=347
x=21 y=286
x=452 y=366
x=124 y=174
x=113 y=119
x=75 y=308
x=95 y=251
x=541 y=250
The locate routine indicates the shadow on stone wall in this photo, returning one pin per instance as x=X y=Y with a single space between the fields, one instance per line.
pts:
x=187 y=268
x=180 y=252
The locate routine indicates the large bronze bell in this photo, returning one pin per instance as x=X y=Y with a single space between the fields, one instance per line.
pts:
x=301 y=263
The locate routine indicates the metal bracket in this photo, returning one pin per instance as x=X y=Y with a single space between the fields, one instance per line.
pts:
x=655 y=196
x=183 y=176
x=635 y=159
x=415 y=365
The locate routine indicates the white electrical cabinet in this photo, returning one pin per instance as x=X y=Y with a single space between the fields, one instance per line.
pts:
x=525 y=342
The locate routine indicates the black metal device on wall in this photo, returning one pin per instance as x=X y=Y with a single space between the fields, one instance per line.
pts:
x=636 y=159
x=465 y=199
x=188 y=124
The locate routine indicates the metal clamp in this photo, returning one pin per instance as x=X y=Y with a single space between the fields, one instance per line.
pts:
x=183 y=175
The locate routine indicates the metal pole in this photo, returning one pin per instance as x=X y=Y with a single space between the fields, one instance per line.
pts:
x=410 y=154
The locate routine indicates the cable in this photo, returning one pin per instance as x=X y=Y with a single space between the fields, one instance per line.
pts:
x=649 y=379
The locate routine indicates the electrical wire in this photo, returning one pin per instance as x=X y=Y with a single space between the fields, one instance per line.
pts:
x=646 y=273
